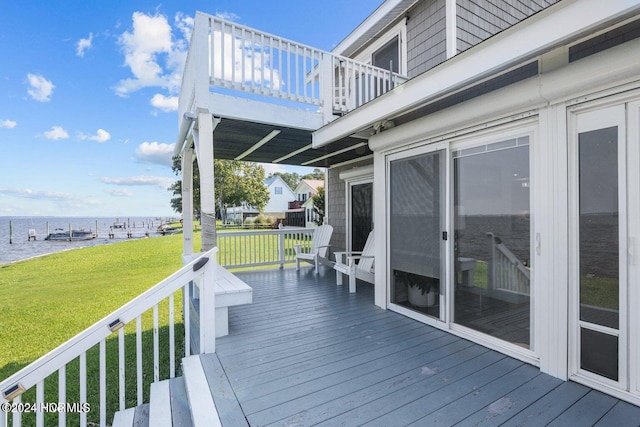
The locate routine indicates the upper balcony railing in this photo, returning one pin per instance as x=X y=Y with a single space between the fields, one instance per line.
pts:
x=242 y=59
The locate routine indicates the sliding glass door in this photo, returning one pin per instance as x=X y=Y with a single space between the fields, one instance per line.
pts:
x=417 y=213
x=492 y=239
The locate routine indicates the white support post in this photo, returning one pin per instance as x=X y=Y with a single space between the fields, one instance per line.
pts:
x=208 y=307
x=281 y=249
x=207 y=186
x=187 y=204
x=451 y=28
x=327 y=83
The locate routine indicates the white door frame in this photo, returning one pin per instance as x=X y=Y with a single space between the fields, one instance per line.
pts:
x=594 y=116
x=443 y=314
x=352 y=177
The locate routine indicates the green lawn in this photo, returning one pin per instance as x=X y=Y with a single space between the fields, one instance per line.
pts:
x=47 y=300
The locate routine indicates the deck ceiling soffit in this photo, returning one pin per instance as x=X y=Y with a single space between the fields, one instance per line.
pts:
x=390 y=107
x=233 y=137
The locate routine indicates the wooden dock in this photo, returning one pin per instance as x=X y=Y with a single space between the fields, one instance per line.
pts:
x=306 y=352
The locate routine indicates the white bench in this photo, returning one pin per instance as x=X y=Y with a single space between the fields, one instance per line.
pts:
x=230 y=290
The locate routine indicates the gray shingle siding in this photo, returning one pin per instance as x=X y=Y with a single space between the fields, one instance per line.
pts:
x=478 y=20
x=336 y=205
x=426 y=44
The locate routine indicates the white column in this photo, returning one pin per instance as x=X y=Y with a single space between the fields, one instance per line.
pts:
x=204 y=134
x=380 y=230
x=451 y=32
x=187 y=204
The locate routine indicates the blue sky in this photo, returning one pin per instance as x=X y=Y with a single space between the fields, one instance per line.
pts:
x=88 y=95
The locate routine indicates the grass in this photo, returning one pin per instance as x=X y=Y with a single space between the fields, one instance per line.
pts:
x=47 y=300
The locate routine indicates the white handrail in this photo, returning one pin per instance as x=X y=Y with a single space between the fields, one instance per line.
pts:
x=261 y=247
x=202 y=268
x=243 y=59
x=506 y=271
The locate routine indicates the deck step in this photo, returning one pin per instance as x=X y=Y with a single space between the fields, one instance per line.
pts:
x=203 y=408
x=132 y=417
x=227 y=404
x=160 y=404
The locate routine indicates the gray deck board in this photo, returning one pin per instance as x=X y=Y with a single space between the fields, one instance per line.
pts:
x=226 y=402
x=307 y=352
x=180 y=413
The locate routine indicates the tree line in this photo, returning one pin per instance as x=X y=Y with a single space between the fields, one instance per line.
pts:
x=235 y=182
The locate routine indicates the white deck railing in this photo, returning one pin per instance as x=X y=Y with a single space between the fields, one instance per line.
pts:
x=92 y=378
x=260 y=247
x=247 y=60
x=506 y=271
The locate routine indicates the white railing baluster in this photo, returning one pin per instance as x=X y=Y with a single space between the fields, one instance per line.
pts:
x=243 y=78
x=17 y=416
x=39 y=402
x=83 y=387
x=253 y=60
x=223 y=63
x=233 y=54
x=156 y=346
x=62 y=394
x=186 y=298
x=289 y=70
x=103 y=383
x=35 y=374
x=121 y=370
x=139 y=383
x=172 y=339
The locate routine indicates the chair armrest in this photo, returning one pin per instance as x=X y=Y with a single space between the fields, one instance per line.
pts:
x=338 y=255
x=360 y=256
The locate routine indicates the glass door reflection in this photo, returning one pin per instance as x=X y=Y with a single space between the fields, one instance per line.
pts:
x=492 y=238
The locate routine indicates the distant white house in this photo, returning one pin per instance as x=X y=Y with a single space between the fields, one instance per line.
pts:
x=301 y=211
x=280 y=194
x=279 y=197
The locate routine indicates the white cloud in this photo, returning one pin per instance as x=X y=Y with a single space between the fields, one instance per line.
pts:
x=9 y=124
x=83 y=45
x=159 y=181
x=150 y=42
x=119 y=192
x=154 y=152
x=165 y=103
x=31 y=194
x=56 y=132
x=244 y=61
x=100 y=136
x=40 y=88
x=227 y=16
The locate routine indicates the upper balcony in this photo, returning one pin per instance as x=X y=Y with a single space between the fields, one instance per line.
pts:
x=266 y=87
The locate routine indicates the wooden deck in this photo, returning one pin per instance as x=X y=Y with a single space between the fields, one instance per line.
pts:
x=306 y=352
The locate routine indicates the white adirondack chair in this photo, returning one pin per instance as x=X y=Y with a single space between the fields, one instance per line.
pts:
x=319 y=247
x=363 y=270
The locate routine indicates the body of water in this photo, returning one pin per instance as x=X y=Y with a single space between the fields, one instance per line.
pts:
x=21 y=248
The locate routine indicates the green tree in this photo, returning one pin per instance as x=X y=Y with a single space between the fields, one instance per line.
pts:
x=176 y=187
x=316 y=174
x=235 y=182
x=291 y=178
x=318 y=205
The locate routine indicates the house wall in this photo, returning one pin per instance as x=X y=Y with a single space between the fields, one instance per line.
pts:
x=426 y=42
x=478 y=20
x=549 y=119
x=336 y=204
x=278 y=203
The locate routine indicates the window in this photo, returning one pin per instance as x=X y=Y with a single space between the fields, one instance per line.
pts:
x=277 y=190
x=388 y=56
